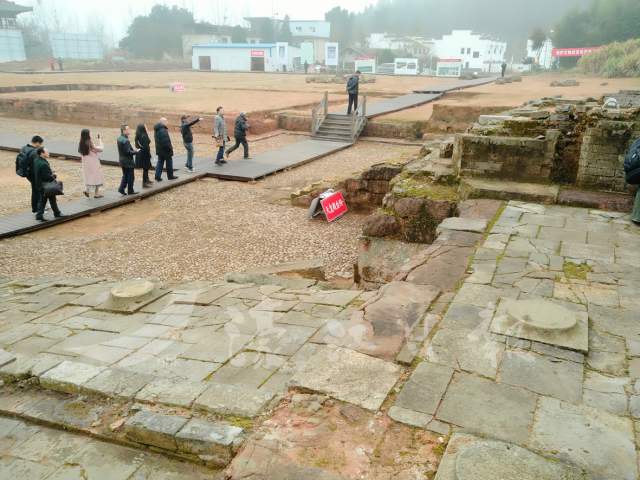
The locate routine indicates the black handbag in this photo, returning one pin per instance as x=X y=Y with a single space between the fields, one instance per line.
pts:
x=53 y=188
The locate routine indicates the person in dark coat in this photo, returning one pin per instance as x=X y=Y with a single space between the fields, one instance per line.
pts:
x=143 y=157
x=353 y=85
x=240 y=132
x=164 y=150
x=127 y=163
x=187 y=139
x=306 y=67
x=29 y=155
x=42 y=174
x=503 y=68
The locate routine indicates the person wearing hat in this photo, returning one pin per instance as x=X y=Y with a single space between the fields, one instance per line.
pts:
x=240 y=133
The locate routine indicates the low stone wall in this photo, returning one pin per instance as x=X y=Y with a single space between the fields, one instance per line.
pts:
x=457 y=118
x=601 y=163
x=512 y=158
x=67 y=87
x=108 y=115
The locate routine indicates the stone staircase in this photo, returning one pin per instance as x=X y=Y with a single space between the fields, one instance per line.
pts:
x=336 y=127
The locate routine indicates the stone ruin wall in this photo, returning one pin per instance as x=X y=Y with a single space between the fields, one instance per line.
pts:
x=552 y=140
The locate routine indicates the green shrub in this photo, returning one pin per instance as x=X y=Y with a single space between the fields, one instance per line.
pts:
x=613 y=60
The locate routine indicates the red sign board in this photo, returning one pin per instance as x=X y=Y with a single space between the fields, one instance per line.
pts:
x=257 y=53
x=573 y=52
x=177 y=87
x=334 y=206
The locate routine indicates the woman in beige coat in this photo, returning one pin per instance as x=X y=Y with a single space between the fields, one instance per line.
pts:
x=91 y=169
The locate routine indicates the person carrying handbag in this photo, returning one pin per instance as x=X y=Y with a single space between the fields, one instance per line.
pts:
x=46 y=184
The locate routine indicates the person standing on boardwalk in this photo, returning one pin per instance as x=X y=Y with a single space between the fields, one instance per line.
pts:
x=24 y=166
x=127 y=163
x=503 y=68
x=90 y=158
x=143 y=157
x=187 y=139
x=220 y=134
x=42 y=174
x=164 y=150
x=240 y=132
x=353 y=85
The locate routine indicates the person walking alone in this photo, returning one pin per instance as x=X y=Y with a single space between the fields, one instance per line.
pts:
x=43 y=174
x=164 y=149
x=127 y=163
x=90 y=159
x=353 y=85
x=143 y=157
x=25 y=164
x=503 y=68
x=220 y=134
x=240 y=133
x=187 y=139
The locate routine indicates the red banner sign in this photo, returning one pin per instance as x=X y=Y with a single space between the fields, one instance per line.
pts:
x=177 y=87
x=573 y=52
x=334 y=206
x=257 y=53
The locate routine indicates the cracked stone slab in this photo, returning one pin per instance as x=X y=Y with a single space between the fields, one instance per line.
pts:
x=493 y=409
x=233 y=400
x=472 y=458
x=598 y=441
x=545 y=375
x=170 y=391
x=115 y=382
x=425 y=388
x=575 y=338
x=6 y=358
x=348 y=376
x=69 y=376
x=475 y=225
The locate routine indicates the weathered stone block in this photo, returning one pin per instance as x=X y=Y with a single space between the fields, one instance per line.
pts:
x=216 y=441
x=69 y=376
x=154 y=429
x=233 y=400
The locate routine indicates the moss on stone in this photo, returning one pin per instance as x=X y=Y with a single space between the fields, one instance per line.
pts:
x=417 y=187
x=576 y=271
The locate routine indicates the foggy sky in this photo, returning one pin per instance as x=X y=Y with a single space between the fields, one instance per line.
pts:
x=76 y=15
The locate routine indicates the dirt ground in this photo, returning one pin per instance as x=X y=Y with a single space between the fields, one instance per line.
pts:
x=515 y=94
x=198 y=231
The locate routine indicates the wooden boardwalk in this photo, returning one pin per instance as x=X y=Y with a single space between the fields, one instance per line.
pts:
x=259 y=166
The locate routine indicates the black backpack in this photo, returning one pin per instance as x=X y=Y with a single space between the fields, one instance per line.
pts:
x=23 y=161
x=632 y=163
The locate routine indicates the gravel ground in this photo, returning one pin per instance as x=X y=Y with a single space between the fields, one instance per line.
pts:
x=199 y=231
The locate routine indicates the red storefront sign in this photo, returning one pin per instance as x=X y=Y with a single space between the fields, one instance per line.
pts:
x=334 y=206
x=257 y=53
x=573 y=52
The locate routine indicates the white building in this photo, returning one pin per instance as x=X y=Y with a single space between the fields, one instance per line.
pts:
x=542 y=57
x=417 y=46
x=246 y=57
x=188 y=41
x=11 y=40
x=477 y=52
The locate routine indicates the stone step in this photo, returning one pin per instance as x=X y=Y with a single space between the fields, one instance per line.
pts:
x=617 y=202
x=335 y=129
x=506 y=190
x=214 y=441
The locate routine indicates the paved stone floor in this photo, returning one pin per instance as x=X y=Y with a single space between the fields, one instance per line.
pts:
x=580 y=404
x=188 y=360
x=32 y=452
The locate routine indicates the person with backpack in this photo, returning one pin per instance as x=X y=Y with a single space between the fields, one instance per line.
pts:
x=91 y=169
x=240 y=132
x=187 y=139
x=632 y=176
x=42 y=174
x=353 y=85
x=24 y=166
